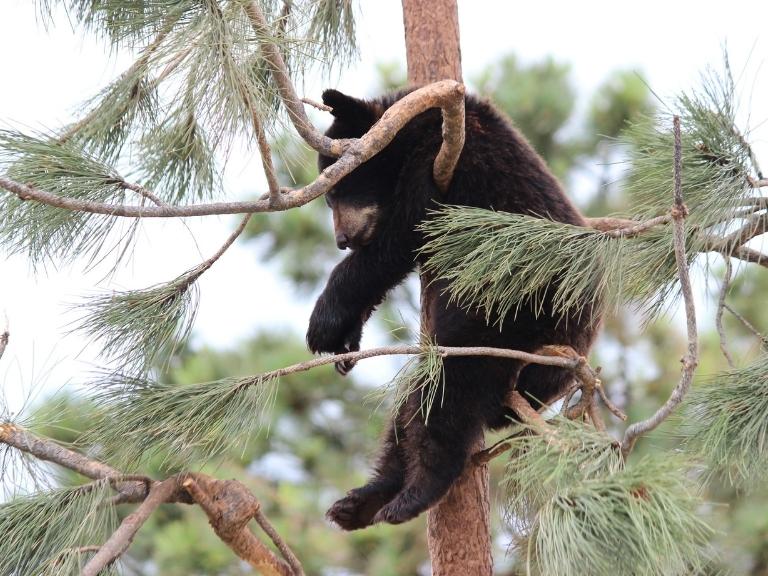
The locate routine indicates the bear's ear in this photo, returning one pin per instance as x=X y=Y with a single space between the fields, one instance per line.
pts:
x=356 y=112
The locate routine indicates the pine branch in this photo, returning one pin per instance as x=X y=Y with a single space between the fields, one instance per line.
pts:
x=136 y=327
x=229 y=513
x=355 y=152
x=219 y=499
x=724 y=424
x=720 y=307
x=121 y=539
x=690 y=360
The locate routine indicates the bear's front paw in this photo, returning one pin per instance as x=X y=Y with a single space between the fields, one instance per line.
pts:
x=328 y=328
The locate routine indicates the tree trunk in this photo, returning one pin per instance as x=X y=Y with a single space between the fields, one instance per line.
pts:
x=458 y=527
x=432 y=41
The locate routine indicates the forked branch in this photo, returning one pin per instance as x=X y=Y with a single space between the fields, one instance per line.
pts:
x=690 y=360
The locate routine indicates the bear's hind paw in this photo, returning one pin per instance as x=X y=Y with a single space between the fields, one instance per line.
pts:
x=356 y=510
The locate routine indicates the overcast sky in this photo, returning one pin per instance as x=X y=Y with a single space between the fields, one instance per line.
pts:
x=46 y=74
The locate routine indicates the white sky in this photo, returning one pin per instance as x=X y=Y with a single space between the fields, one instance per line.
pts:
x=45 y=75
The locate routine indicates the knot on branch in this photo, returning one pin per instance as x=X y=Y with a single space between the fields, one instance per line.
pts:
x=228 y=504
x=679 y=211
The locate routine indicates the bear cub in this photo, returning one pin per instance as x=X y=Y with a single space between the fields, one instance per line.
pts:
x=376 y=211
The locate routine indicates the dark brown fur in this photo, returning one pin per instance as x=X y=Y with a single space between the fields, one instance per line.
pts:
x=498 y=170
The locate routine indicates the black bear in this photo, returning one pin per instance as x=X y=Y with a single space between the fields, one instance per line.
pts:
x=376 y=211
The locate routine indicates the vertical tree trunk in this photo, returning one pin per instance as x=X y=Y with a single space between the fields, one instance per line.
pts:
x=458 y=526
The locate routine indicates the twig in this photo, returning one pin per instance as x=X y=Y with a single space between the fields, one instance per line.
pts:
x=144 y=192
x=278 y=541
x=623 y=228
x=756 y=225
x=5 y=335
x=123 y=536
x=318 y=105
x=443 y=351
x=720 y=307
x=437 y=95
x=762 y=183
x=229 y=506
x=204 y=266
x=747 y=324
x=690 y=360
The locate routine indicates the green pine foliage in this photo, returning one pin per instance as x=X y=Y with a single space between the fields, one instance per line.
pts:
x=424 y=375
x=46 y=533
x=717 y=160
x=577 y=509
x=497 y=261
x=140 y=418
x=725 y=424
x=138 y=328
x=53 y=235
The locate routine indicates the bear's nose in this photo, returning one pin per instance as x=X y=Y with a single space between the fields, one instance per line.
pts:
x=342 y=240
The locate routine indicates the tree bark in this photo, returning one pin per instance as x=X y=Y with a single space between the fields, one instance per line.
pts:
x=458 y=527
x=432 y=40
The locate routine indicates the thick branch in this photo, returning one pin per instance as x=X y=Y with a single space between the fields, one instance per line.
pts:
x=453 y=141
x=690 y=360
x=122 y=537
x=50 y=451
x=438 y=95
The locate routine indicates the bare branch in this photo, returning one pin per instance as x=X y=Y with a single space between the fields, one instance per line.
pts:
x=118 y=543
x=756 y=225
x=318 y=105
x=278 y=541
x=204 y=266
x=5 y=335
x=130 y=489
x=720 y=307
x=690 y=360
x=747 y=324
x=438 y=95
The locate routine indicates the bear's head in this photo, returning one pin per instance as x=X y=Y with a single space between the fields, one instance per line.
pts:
x=359 y=200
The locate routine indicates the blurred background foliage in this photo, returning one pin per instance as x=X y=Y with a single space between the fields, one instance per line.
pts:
x=324 y=427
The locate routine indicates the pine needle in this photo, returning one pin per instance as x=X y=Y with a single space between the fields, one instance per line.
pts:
x=579 y=511
x=177 y=162
x=498 y=262
x=179 y=423
x=423 y=374
x=41 y=534
x=137 y=328
x=46 y=233
x=717 y=160
x=725 y=423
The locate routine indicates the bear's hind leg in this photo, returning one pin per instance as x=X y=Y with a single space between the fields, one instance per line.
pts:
x=436 y=451
x=357 y=509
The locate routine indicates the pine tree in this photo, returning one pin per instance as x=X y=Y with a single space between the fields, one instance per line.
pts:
x=154 y=143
